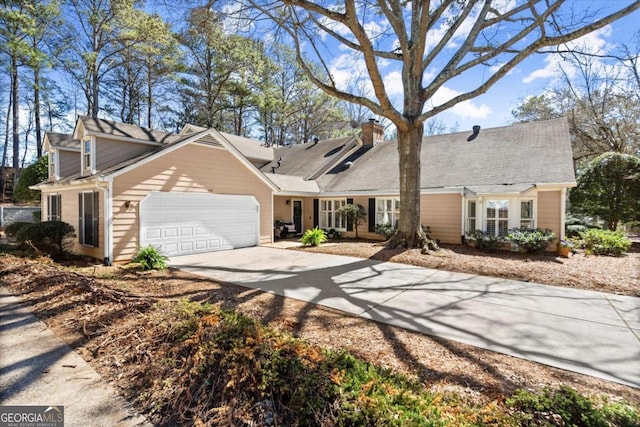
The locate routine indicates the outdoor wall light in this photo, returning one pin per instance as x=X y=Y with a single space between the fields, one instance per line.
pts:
x=288 y=202
x=127 y=204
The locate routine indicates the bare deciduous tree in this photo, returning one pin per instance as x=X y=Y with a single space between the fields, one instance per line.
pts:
x=434 y=42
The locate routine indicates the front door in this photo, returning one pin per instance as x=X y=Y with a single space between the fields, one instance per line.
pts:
x=297 y=215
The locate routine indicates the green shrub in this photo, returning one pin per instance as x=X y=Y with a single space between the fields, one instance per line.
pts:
x=532 y=241
x=35 y=173
x=572 y=407
x=215 y=358
x=37 y=216
x=12 y=229
x=486 y=242
x=314 y=237
x=574 y=226
x=332 y=233
x=49 y=237
x=385 y=230
x=604 y=242
x=150 y=258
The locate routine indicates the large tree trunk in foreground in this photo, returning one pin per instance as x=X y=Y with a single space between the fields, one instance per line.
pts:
x=410 y=233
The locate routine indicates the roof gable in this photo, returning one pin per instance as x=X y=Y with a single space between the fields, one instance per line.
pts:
x=208 y=137
x=61 y=141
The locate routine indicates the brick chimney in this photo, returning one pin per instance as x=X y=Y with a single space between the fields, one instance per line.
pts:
x=372 y=132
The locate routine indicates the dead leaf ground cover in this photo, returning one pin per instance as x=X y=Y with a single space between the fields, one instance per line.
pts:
x=98 y=309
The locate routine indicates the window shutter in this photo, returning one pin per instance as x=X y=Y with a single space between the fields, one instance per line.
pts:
x=349 y=220
x=316 y=212
x=372 y=215
x=96 y=216
x=80 y=220
x=59 y=207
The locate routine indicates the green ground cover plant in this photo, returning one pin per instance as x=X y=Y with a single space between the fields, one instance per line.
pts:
x=314 y=237
x=604 y=242
x=150 y=258
x=531 y=241
x=217 y=366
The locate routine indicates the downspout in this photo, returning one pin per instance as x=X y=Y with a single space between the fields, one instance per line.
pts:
x=108 y=220
x=563 y=211
x=462 y=217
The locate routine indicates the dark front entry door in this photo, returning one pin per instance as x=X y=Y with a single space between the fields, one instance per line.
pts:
x=297 y=215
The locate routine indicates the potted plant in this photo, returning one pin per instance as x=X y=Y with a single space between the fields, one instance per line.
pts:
x=277 y=231
x=565 y=248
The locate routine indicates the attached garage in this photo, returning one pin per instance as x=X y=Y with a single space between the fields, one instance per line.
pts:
x=189 y=223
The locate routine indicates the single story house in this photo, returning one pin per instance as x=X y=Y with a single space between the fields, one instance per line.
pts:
x=124 y=187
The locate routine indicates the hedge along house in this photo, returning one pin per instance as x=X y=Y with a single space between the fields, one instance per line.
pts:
x=204 y=190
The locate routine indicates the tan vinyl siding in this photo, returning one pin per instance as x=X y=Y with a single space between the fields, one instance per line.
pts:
x=443 y=213
x=111 y=152
x=69 y=213
x=281 y=210
x=69 y=163
x=549 y=211
x=191 y=168
x=307 y=213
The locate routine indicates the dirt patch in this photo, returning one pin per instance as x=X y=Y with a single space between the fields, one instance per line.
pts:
x=618 y=275
x=99 y=311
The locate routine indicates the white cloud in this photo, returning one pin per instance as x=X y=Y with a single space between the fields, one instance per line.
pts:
x=347 y=67
x=466 y=109
x=393 y=83
x=595 y=43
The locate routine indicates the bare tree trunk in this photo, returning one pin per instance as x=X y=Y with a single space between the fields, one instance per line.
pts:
x=95 y=92
x=410 y=233
x=149 y=96
x=3 y=166
x=15 y=112
x=36 y=109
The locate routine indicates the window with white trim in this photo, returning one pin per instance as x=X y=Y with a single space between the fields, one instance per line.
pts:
x=88 y=218
x=526 y=214
x=472 y=223
x=54 y=207
x=388 y=212
x=53 y=174
x=86 y=155
x=329 y=217
x=497 y=217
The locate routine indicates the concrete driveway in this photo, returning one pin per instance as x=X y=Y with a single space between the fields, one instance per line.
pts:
x=592 y=333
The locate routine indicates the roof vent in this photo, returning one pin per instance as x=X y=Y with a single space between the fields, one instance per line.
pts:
x=348 y=165
x=476 y=132
x=315 y=140
x=273 y=168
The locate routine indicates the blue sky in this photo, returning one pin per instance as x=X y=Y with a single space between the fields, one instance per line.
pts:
x=494 y=108
x=532 y=77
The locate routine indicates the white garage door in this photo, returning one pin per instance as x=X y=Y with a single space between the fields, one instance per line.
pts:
x=188 y=223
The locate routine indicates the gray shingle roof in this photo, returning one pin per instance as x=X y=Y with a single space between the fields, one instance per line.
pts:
x=63 y=140
x=126 y=130
x=293 y=183
x=250 y=148
x=526 y=153
x=305 y=160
